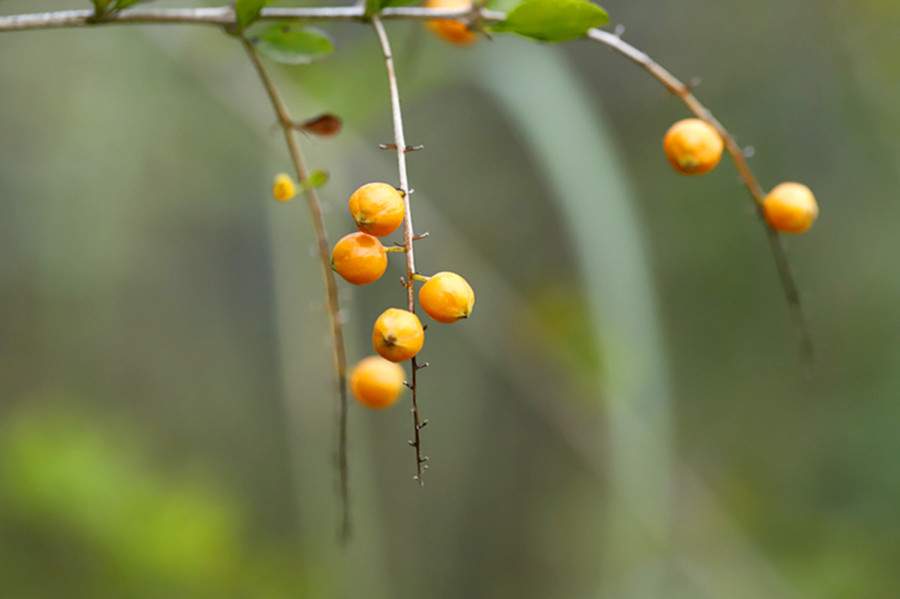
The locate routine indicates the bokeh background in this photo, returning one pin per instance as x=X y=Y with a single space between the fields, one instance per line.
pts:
x=625 y=415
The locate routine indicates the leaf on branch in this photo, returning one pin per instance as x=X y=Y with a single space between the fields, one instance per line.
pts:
x=373 y=7
x=122 y=4
x=247 y=11
x=553 y=20
x=292 y=45
x=100 y=6
x=316 y=179
x=324 y=125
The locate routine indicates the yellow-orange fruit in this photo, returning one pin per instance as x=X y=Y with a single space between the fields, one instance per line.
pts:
x=454 y=32
x=790 y=208
x=377 y=383
x=693 y=147
x=447 y=297
x=359 y=258
x=398 y=335
x=377 y=209
x=283 y=189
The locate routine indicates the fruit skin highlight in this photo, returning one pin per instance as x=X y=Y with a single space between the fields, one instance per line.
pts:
x=693 y=147
x=359 y=258
x=377 y=209
x=454 y=32
x=284 y=189
x=447 y=297
x=377 y=383
x=398 y=335
x=790 y=208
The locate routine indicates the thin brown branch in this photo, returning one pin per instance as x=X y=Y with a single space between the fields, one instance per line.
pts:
x=776 y=243
x=337 y=335
x=408 y=234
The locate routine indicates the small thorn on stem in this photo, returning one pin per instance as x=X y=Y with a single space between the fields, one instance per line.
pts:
x=693 y=84
x=423 y=424
x=421 y=236
x=423 y=459
x=423 y=364
x=411 y=443
x=407 y=384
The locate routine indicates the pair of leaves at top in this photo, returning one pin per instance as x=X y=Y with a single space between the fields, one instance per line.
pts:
x=553 y=20
x=105 y=6
x=288 y=44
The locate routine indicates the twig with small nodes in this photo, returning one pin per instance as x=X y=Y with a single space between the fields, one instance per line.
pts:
x=324 y=254
x=408 y=235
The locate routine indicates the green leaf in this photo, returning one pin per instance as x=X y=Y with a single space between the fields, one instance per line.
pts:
x=373 y=7
x=291 y=45
x=121 y=4
x=316 y=179
x=247 y=11
x=553 y=20
x=101 y=5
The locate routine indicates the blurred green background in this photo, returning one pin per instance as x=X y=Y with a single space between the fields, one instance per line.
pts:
x=625 y=414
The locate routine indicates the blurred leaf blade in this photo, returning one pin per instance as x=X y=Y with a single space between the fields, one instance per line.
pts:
x=291 y=45
x=553 y=20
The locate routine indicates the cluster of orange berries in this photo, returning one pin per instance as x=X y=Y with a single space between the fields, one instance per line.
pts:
x=378 y=209
x=694 y=147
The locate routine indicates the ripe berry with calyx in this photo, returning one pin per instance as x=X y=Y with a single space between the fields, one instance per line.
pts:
x=398 y=335
x=447 y=297
x=359 y=258
x=377 y=209
x=693 y=147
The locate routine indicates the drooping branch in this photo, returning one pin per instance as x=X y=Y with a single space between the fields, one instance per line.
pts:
x=322 y=248
x=776 y=244
x=408 y=233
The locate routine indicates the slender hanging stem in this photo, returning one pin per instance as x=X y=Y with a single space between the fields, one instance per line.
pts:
x=337 y=335
x=408 y=234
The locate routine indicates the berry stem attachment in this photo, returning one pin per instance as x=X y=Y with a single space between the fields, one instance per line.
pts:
x=324 y=253
x=776 y=244
x=421 y=278
x=395 y=249
x=408 y=234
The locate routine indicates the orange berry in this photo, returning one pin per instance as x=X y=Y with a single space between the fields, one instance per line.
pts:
x=790 y=208
x=283 y=189
x=693 y=147
x=359 y=258
x=377 y=383
x=447 y=297
x=454 y=32
x=377 y=209
x=398 y=335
